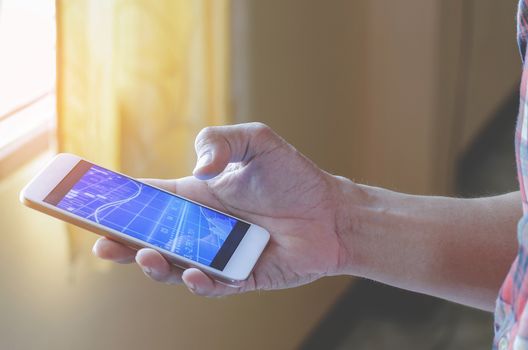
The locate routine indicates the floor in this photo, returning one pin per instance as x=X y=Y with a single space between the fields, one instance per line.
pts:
x=377 y=317
x=374 y=316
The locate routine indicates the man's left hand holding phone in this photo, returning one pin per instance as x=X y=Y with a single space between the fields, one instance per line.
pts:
x=244 y=172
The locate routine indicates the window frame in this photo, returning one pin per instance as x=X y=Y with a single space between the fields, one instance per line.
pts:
x=31 y=143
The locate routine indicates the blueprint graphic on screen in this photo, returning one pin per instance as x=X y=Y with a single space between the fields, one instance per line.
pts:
x=146 y=213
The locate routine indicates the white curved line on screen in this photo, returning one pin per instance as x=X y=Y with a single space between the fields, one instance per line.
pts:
x=119 y=202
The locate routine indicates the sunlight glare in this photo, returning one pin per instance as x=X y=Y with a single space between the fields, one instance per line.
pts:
x=27 y=51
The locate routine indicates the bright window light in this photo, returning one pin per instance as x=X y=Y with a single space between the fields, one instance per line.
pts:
x=27 y=68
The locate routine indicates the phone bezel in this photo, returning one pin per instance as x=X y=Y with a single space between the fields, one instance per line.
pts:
x=237 y=269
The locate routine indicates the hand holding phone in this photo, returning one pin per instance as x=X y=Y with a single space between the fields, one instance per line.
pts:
x=254 y=175
x=251 y=172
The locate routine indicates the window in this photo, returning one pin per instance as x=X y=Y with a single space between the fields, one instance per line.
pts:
x=27 y=79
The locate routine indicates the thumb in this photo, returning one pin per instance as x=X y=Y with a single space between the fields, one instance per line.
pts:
x=217 y=146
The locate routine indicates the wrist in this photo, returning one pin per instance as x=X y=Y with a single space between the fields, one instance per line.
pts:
x=359 y=206
x=352 y=198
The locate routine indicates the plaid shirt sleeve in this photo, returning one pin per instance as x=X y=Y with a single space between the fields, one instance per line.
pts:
x=511 y=315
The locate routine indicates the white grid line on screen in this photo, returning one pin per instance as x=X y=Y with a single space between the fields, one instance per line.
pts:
x=139 y=212
x=199 y=235
x=158 y=222
x=96 y=184
x=118 y=203
x=180 y=224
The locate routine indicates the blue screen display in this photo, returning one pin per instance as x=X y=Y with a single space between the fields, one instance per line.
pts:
x=138 y=210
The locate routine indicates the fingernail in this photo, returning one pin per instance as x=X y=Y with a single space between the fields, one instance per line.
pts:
x=204 y=160
x=191 y=286
x=154 y=274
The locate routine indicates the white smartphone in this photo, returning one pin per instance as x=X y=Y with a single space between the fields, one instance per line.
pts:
x=140 y=215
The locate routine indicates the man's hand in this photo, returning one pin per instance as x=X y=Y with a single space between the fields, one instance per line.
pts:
x=249 y=171
x=320 y=225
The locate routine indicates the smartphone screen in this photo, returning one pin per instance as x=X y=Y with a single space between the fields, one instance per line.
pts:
x=146 y=213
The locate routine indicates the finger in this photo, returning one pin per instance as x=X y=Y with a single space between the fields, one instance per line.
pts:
x=167 y=185
x=107 y=249
x=188 y=187
x=156 y=267
x=218 y=146
x=201 y=284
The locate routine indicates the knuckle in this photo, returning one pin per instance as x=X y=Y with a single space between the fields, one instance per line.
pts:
x=260 y=127
x=265 y=137
x=204 y=133
x=262 y=132
x=206 y=136
x=207 y=131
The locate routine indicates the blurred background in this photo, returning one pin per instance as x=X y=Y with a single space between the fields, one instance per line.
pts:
x=416 y=95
